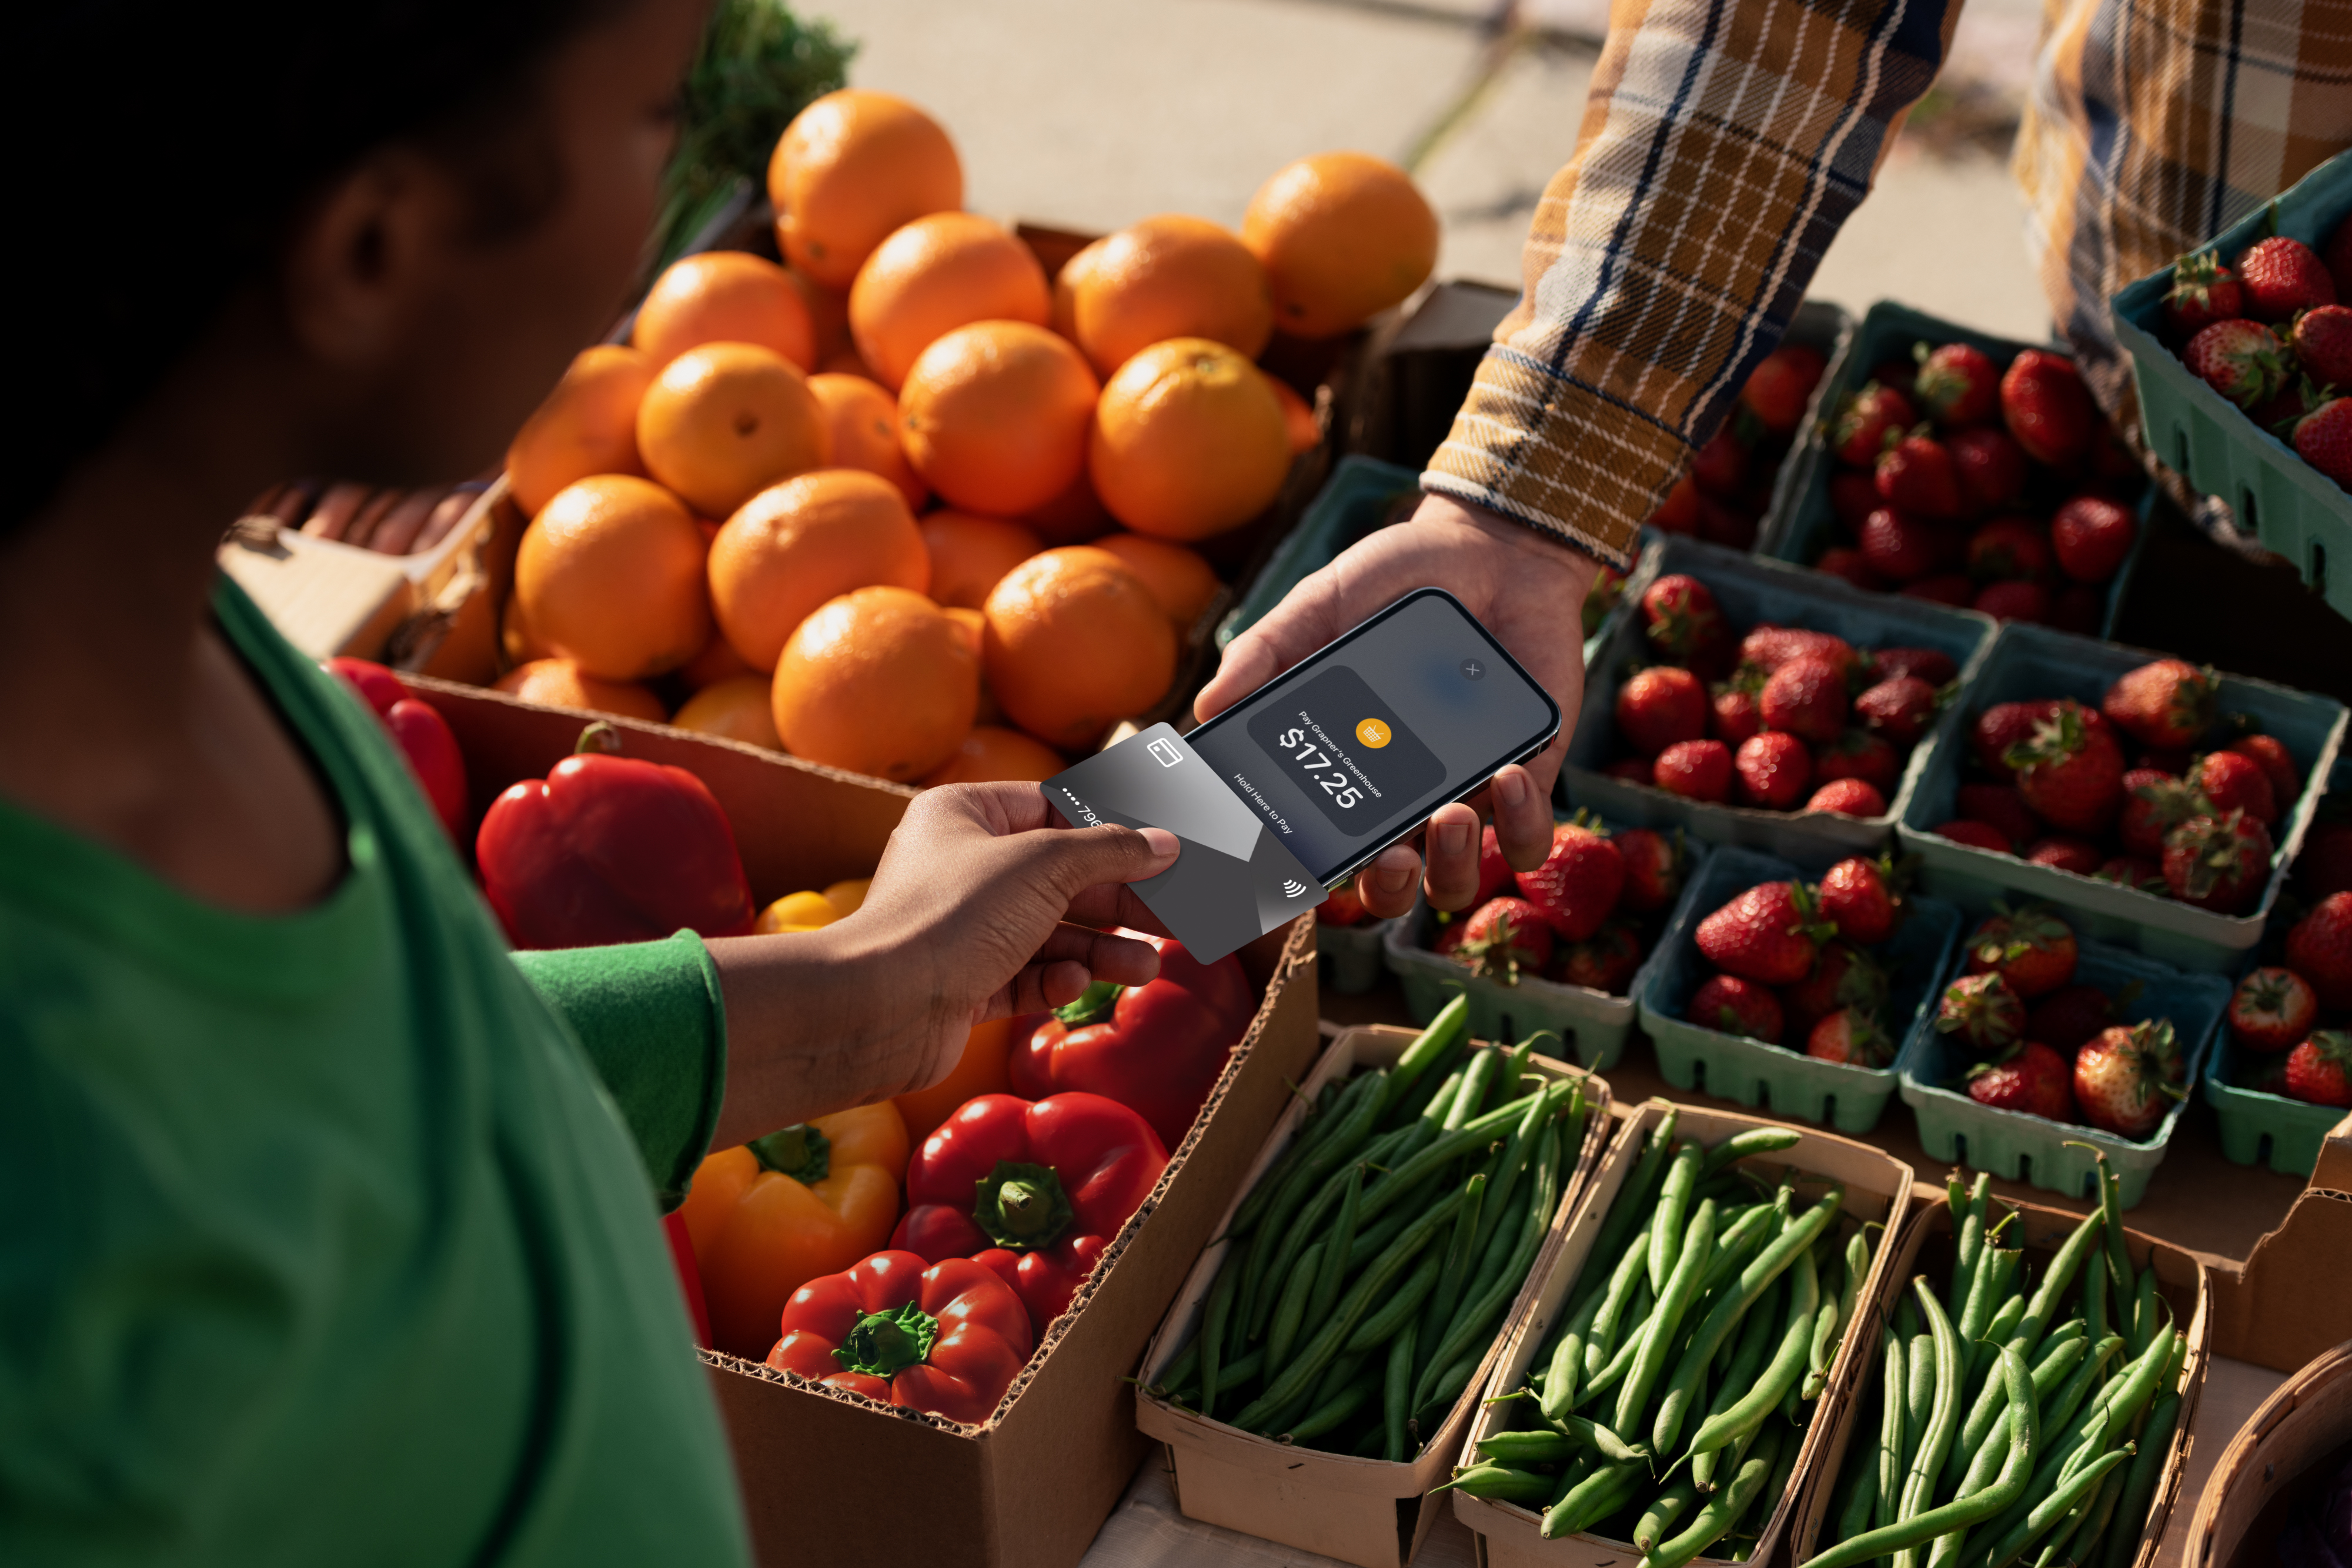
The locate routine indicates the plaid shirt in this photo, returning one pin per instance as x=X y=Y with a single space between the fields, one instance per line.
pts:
x=1724 y=141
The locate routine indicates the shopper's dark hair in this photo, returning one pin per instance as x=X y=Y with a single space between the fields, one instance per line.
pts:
x=156 y=151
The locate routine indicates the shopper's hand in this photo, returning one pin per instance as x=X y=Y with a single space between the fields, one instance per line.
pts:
x=1529 y=591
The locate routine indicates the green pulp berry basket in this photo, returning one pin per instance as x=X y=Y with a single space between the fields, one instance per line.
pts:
x=2017 y=1145
x=1752 y=591
x=1592 y=1025
x=2282 y=501
x=1347 y=957
x=2259 y=1127
x=1800 y=529
x=1781 y=1079
x=2030 y=662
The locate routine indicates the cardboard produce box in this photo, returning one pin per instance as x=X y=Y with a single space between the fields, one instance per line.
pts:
x=2290 y=1301
x=2182 y=1279
x=2274 y=1464
x=1361 y=1510
x=1878 y=1188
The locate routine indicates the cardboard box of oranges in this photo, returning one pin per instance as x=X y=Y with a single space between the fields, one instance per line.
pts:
x=897 y=489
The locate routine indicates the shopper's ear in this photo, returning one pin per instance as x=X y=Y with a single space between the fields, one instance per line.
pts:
x=365 y=256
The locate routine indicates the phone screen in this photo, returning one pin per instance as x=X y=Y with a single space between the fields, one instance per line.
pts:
x=1356 y=745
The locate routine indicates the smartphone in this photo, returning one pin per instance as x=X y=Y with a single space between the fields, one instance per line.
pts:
x=1289 y=791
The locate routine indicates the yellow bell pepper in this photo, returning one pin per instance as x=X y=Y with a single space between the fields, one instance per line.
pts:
x=771 y=1214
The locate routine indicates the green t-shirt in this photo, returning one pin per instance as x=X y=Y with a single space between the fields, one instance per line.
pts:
x=321 y=1239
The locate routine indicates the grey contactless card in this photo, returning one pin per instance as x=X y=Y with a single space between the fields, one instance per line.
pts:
x=1233 y=881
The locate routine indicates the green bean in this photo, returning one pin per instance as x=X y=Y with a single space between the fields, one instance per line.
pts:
x=2091 y=1521
x=1633 y=1268
x=1339 y=1375
x=1454 y=1380
x=2144 y=1310
x=1968 y=1228
x=2060 y=1502
x=1862 y=1501
x=1658 y=1334
x=1514 y=1157
x=2056 y=1278
x=1212 y=1331
x=1721 y=1512
x=1308 y=1221
x=1494 y=1248
x=1755 y=1342
x=1738 y=1242
x=1988 y=1289
x=2078 y=1437
x=1918 y=1398
x=1230 y=1374
x=1665 y=1508
x=1290 y=1311
x=1744 y=1145
x=2140 y=1490
x=1784 y=1469
x=1396 y=1389
x=1394 y=1314
x=1780 y=1373
x=1352 y=1123
x=1335 y=1409
x=1598 y=1437
x=1568 y=1360
x=2059 y=1411
x=1447 y=1148
x=1943 y=1418
x=1373 y=1240
x=2059 y=1356
x=1620 y=1361
x=1470 y=1100
x=1981 y=1472
x=1544 y=1447
x=1835 y=1315
x=1335 y=1251
x=1504 y=1483
x=1894 y=1409
x=1433 y=1045
x=1636 y=1200
x=2094 y=1296
x=1454 y=1276
x=1674 y=1210
x=1476 y=1320
x=2130 y=1394
x=1976 y=1360
x=1733 y=1303
x=1593 y=1498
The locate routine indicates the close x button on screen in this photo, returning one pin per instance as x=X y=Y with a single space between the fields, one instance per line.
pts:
x=1347 y=749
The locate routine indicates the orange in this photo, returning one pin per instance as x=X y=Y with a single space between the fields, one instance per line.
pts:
x=724 y=296
x=849 y=169
x=937 y=274
x=1169 y=276
x=974 y=626
x=723 y=422
x=1178 y=578
x=1072 y=518
x=984 y=1068
x=843 y=362
x=995 y=416
x=717 y=662
x=559 y=682
x=735 y=709
x=863 y=420
x=991 y=752
x=516 y=644
x=1189 y=441
x=802 y=542
x=1074 y=643
x=1343 y=237
x=1297 y=416
x=796 y=912
x=587 y=426
x=828 y=310
x=878 y=680
x=969 y=554
x=610 y=576
x=848 y=894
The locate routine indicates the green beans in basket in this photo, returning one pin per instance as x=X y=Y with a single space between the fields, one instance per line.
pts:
x=1371 y=1267
x=2064 y=1407
x=1675 y=1426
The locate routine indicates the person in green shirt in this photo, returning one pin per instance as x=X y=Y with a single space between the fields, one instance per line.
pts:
x=328 y=1226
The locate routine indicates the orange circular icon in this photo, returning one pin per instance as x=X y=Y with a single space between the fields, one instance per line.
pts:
x=1373 y=733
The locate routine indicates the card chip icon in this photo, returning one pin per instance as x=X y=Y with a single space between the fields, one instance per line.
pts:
x=1166 y=752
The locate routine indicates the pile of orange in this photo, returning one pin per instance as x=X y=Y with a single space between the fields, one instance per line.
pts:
x=907 y=504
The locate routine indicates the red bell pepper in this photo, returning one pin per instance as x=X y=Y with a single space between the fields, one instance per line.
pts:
x=611 y=849
x=1034 y=1190
x=1156 y=1049
x=421 y=733
x=947 y=1338
x=689 y=1277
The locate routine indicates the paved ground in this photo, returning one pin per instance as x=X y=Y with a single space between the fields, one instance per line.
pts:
x=1092 y=113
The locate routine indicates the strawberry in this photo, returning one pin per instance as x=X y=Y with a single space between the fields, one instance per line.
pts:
x=1681 y=618
x=1770 y=647
x=2070 y=771
x=1844 y=561
x=2000 y=808
x=1769 y=934
x=1865 y=421
x=1774 y=770
x=2218 y=862
x=2063 y=853
x=2231 y=782
x=2029 y=946
x=1807 y=699
x=1850 y=1036
x=1732 y=712
x=1502 y=938
x=1721 y=463
x=2285 y=409
x=2277 y=765
x=2325 y=866
x=1976 y=835
x=1575 y=887
x=2045 y=407
x=2091 y=535
x=1633 y=769
x=1983 y=1012
x=1900 y=371
x=1493 y=871
x=1929 y=665
x=1900 y=708
x=1856 y=898
x=2131 y=871
x=2171 y=759
x=2154 y=804
x=1952 y=587
x=1660 y=705
x=1694 y=769
x=2283 y=275
x=1605 y=961
x=2036 y=1081
x=2323 y=440
x=2319 y=948
x=1736 y=1007
x=2072 y=1015
x=2169 y=702
x=2271 y=1010
x=1449 y=937
x=2008 y=548
x=1732 y=525
x=1849 y=797
x=1607 y=586
x=1678 y=513
x=2203 y=292
x=2323 y=345
x=1852 y=497
x=1843 y=977
x=1915 y=475
x=2319 y=1071
x=1344 y=906
x=1654 y=869
x=1778 y=387
x=2027 y=601
x=2128 y=1076
x=1859 y=754
x=1989 y=465
x=2079 y=607
x=1957 y=384
x=2004 y=725
x=2239 y=359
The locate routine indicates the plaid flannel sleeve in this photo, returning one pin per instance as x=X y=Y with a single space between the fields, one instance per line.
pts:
x=1724 y=142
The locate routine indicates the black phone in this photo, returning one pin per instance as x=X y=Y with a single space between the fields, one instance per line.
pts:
x=1291 y=789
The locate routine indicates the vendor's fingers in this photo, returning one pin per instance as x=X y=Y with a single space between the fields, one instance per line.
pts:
x=1115 y=905
x=1387 y=884
x=1451 y=847
x=1522 y=818
x=1119 y=960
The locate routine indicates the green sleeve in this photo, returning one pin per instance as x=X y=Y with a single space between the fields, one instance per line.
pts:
x=655 y=1025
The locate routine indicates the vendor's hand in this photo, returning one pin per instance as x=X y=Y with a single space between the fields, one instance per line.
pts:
x=1525 y=589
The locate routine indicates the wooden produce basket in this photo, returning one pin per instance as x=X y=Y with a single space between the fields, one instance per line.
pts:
x=1878 y=1189
x=1361 y=1510
x=2273 y=1463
